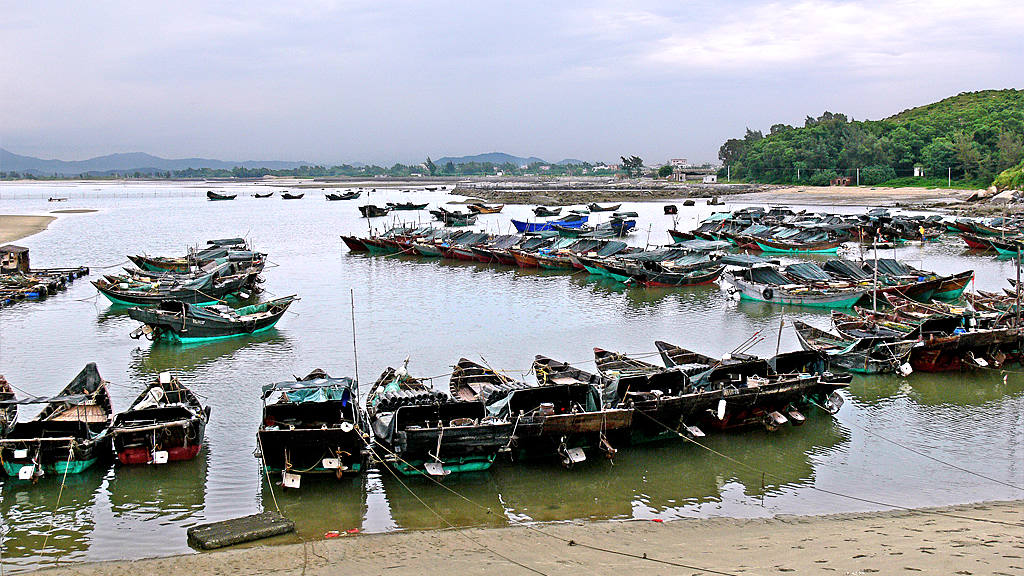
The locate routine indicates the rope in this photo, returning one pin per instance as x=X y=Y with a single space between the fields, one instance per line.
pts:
x=950 y=464
x=56 y=507
x=825 y=490
x=450 y=525
x=263 y=459
x=542 y=532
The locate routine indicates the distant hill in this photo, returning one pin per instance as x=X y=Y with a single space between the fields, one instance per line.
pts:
x=569 y=162
x=130 y=162
x=970 y=137
x=492 y=157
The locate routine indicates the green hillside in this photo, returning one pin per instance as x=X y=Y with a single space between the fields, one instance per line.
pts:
x=972 y=137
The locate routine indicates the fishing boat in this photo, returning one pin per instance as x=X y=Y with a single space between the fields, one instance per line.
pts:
x=67 y=437
x=485 y=209
x=181 y=322
x=204 y=290
x=869 y=355
x=312 y=425
x=406 y=206
x=288 y=196
x=8 y=407
x=552 y=419
x=215 y=196
x=355 y=244
x=544 y=211
x=595 y=207
x=752 y=392
x=421 y=431
x=166 y=423
x=574 y=221
x=691 y=277
x=222 y=250
x=946 y=344
x=373 y=211
x=680 y=236
x=345 y=196
x=779 y=246
x=267 y=195
x=765 y=284
x=671 y=209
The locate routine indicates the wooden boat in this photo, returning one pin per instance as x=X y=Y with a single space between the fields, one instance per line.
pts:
x=485 y=209
x=574 y=221
x=752 y=392
x=355 y=244
x=345 y=196
x=868 y=326
x=680 y=236
x=312 y=425
x=551 y=420
x=166 y=423
x=420 y=431
x=946 y=345
x=67 y=437
x=288 y=196
x=8 y=407
x=778 y=246
x=215 y=196
x=267 y=195
x=595 y=207
x=861 y=355
x=750 y=288
x=693 y=277
x=373 y=211
x=204 y=290
x=543 y=211
x=663 y=399
x=953 y=286
x=1007 y=246
x=181 y=322
x=406 y=206
x=227 y=249
x=975 y=242
x=671 y=209
x=52 y=199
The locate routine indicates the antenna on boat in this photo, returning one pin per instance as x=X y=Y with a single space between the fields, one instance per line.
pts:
x=355 y=352
x=874 y=291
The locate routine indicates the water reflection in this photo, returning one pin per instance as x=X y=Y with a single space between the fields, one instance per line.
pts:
x=28 y=512
x=160 y=356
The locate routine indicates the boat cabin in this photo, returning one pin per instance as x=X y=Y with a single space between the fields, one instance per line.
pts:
x=13 y=259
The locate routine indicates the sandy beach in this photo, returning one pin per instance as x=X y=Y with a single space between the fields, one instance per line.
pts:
x=14 y=228
x=852 y=196
x=928 y=541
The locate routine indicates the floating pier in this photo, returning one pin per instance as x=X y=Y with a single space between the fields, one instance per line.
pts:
x=239 y=530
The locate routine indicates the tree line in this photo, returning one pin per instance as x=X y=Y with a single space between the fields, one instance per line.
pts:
x=971 y=137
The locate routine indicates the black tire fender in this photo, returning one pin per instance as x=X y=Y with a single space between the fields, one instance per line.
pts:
x=767 y=293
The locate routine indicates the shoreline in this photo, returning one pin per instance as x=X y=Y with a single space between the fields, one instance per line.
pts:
x=930 y=540
x=16 y=227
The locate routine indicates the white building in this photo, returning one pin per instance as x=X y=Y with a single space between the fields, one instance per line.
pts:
x=711 y=178
x=678 y=162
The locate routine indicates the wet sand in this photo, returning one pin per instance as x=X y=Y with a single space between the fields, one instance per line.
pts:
x=852 y=196
x=14 y=228
x=929 y=541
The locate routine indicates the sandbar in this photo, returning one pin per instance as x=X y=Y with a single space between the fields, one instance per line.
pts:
x=14 y=228
x=928 y=541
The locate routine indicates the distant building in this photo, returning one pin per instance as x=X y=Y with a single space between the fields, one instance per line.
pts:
x=678 y=162
x=841 y=181
x=711 y=178
x=918 y=171
x=545 y=167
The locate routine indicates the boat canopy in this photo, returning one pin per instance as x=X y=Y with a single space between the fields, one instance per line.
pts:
x=317 y=390
x=846 y=269
x=744 y=260
x=767 y=275
x=702 y=245
x=808 y=271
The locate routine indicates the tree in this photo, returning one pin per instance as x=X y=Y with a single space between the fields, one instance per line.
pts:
x=967 y=155
x=938 y=156
x=449 y=168
x=431 y=167
x=1010 y=150
x=632 y=166
x=665 y=171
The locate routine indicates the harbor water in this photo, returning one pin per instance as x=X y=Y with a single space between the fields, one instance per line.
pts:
x=886 y=446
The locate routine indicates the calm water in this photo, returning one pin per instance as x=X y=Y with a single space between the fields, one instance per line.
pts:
x=435 y=312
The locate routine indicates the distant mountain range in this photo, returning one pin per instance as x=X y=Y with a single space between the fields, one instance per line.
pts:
x=148 y=164
x=499 y=158
x=130 y=162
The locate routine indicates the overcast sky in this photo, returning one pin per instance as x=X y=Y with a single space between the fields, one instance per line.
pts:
x=382 y=82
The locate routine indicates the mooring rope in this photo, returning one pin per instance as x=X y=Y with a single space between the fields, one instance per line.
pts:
x=56 y=508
